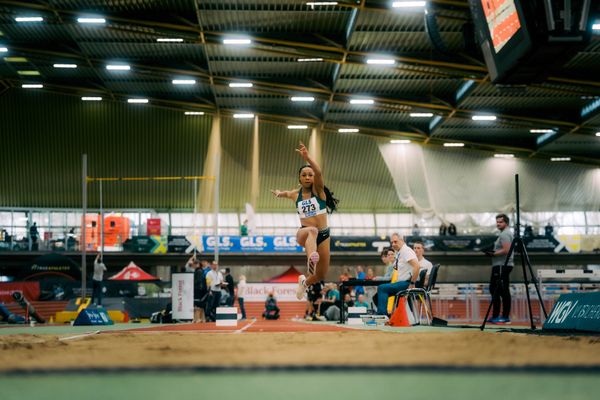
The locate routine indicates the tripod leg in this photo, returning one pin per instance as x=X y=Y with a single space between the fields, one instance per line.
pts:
x=522 y=249
x=525 y=257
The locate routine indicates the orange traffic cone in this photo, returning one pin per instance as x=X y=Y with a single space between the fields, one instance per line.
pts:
x=399 y=317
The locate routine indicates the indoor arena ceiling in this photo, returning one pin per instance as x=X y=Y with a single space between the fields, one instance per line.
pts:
x=319 y=53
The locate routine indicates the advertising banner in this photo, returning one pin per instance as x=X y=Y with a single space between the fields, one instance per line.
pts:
x=146 y=244
x=252 y=244
x=359 y=243
x=575 y=311
x=340 y=244
x=153 y=226
x=183 y=296
x=258 y=292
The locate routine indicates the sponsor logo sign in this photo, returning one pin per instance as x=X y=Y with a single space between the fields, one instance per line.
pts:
x=575 y=311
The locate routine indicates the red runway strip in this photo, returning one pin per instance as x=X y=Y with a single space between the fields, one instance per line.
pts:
x=258 y=326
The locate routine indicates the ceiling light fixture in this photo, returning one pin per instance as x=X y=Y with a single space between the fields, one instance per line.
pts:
x=65 y=66
x=194 y=113
x=541 y=130
x=597 y=133
x=3 y=49
x=483 y=117
x=504 y=155
x=362 y=101
x=28 y=73
x=454 y=145
x=237 y=41
x=399 y=141
x=29 y=19
x=309 y=59
x=560 y=159
x=91 y=98
x=381 y=61
x=118 y=67
x=302 y=98
x=408 y=4
x=89 y=20
x=243 y=116
x=321 y=3
x=348 y=130
x=421 y=115
x=297 y=126
x=137 y=101
x=596 y=27
x=32 y=86
x=15 y=59
x=183 y=82
x=169 y=40
x=241 y=84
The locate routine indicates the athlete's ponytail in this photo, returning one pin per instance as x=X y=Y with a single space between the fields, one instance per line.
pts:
x=330 y=200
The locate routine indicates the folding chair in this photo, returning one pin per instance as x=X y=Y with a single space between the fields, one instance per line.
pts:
x=419 y=298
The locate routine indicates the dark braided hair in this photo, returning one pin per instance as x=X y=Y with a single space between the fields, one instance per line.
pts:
x=330 y=201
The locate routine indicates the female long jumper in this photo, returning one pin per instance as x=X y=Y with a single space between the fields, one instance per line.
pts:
x=313 y=202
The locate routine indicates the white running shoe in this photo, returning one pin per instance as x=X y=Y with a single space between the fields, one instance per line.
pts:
x=301 y=287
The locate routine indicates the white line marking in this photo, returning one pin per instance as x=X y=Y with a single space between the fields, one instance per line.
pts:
x=246 y=327
x=79 y=336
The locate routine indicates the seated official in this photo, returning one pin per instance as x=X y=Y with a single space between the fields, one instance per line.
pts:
x=407 y=266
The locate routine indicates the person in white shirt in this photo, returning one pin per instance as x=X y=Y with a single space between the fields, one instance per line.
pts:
x=407 y=265
x=424 y=264
x=99 y=269
x=214 y=280
x=242 y=287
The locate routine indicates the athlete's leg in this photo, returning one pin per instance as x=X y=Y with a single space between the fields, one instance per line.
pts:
x=323 y=265
x=307 y=237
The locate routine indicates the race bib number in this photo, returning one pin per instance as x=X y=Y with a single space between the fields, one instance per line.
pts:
x=308 y=208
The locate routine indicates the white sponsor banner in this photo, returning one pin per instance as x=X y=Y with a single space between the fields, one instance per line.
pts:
x=183 y=296
x=282 y=291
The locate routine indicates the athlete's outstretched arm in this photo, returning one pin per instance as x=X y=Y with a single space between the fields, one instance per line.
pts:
x=318 y=184
x=286 y=194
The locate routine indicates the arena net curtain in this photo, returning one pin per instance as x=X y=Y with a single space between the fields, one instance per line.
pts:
x=441 y=181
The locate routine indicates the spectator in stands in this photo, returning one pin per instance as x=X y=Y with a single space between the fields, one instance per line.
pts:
x=345 y=275
x=242 y=288
x=452 y=229
x=230 y=288
x=190 y=264
x=313 y=300
x=443 y=229
x=271 y=308
x=360 y=274
x=500 y=279
x=214 y=280
x=348 y=302
x=549 y=230
x=33 y=236
x=416 y=232
x=528 y=232
x=424 y=264
x=71 y=240
x=200 y=287
x=407 y=266
x=244 y=228
x=330 y=298
x=361 y=302
x=99 y=269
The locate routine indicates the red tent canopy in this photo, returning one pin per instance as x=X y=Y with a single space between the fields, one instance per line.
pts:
x=133 y=273
x=289 y=276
